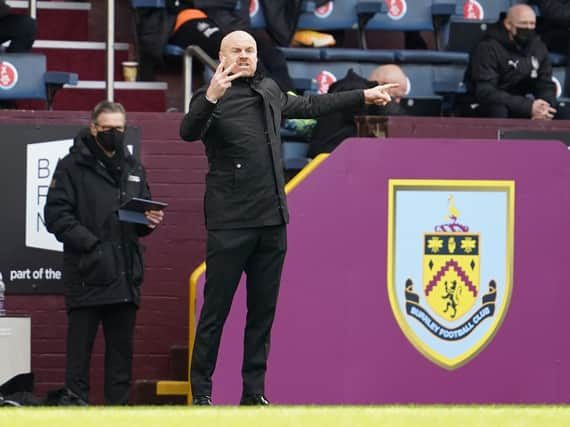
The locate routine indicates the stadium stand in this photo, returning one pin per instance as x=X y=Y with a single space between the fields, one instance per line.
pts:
x=24 y=76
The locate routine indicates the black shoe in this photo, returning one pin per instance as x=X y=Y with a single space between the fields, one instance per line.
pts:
x=254 y=400
x=202 y=400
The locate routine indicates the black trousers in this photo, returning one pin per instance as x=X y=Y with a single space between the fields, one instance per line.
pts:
x=20 y=29
x=118 y=327
x=259 y=252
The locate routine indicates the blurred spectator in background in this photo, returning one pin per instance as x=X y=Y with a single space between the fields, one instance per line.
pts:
x=20 y=30
x=206 y=25
x=393 y=74
x=193 y=27
x=334 y=128
x=153 y=27
x=508 y=64
x=553 y=26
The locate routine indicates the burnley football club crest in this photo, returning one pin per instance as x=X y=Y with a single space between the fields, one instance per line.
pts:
x=450 y=264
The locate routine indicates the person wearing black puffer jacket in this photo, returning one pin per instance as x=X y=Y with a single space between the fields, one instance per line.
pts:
x=507 y=65
x=103 y=264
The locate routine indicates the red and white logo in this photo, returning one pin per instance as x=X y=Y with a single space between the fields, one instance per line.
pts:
x=8 y=75
x=325 y=10
x=558 y=86
x=253 y=8
x=324 y=80
x=397 y=9
x=472 y=9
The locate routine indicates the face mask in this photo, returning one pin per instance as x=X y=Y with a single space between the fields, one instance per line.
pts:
x=524 y=36
x=110 y=140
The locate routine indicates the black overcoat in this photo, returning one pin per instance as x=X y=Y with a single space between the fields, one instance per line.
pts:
x=244 y=185
x=103 y=261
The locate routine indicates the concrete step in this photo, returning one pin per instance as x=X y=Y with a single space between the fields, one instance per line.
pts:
x=179 y=362
x=144 y=393
x=135 y=96
x=58 y=20
x=87 y=59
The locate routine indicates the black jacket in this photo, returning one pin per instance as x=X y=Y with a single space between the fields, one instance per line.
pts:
x=5 y=10
x=501 y=72
x=557 y=10
x=553 y=25
x=245 y=183
x=229 y=15
x=103 y=261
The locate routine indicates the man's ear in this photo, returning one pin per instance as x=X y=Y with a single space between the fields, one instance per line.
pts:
x=92 y=129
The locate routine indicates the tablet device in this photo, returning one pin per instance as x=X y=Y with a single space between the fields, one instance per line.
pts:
x=134 y=209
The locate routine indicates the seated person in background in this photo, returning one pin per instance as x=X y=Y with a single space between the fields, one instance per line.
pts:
x=193 y=27
x=207 y=25
x=509 y=63
x=553 y=26
x=334 y=128
x=19 y=29
x=393 y=74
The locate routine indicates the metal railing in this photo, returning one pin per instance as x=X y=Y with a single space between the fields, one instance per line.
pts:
x=33 y=8
x=189 y=53
x=110 y=78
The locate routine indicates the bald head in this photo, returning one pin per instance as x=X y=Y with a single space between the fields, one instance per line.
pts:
x=239 y=48
x=391 y=73
x=519 y=16
x=521 y=11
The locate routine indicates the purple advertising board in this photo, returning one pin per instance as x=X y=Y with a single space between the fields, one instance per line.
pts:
x=339 y=337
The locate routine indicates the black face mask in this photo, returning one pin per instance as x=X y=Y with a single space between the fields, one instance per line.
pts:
x=524 y=36
x=111 y=140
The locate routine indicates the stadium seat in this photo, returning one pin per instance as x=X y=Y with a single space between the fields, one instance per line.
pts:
x=323 y=73
x=431 y=57
x=377 y=56
x=173 y=50
x=558 y=59
x=24 y=76
x=332 y=16
x=256 y=17
x=460 y=35
x=301 y=53
x=404 y=16
x=482 y=9
x=448 y=79
x=341 y=15
x=294 y=155
x=443 y=7
x=148 y=3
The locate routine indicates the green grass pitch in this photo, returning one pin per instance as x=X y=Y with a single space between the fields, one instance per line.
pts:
x=288 y=416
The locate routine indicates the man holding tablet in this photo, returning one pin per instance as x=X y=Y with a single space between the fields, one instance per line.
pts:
x=103 y=264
